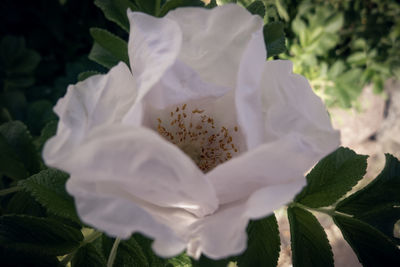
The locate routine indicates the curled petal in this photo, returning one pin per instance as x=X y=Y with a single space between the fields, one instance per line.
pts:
x=223 y=233
x=270 y=164
x=291 y=106
x=98 y=100
x=153 y=47
x=120 y=217
x=139 y=162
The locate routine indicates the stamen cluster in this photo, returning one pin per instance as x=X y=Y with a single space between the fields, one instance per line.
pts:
x=197 y=135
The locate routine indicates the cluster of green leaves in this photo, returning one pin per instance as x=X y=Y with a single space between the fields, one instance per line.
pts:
x=339 y=45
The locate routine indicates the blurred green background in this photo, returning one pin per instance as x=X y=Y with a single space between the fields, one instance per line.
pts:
x=339 y=45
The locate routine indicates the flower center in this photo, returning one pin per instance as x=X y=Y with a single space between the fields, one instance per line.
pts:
x=196 y=134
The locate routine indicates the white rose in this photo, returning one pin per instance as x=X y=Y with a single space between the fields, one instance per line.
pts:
x=199 y=137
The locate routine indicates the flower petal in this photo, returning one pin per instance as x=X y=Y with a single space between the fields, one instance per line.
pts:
x=182 y=84
x=98 y=100
x=153 y=47
x=120 y=217
x=297 y=132
x=208 y=35
x=248 y=95
x=223 y=233
x=273 y=163
x=140 y=162
x=291 y=105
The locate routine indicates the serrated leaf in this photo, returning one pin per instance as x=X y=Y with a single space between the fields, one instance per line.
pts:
x=257 y=8
x=332 y=177
x=48 y=188
x=274 y=37
x=38 y=235
x=86 y=74
x=263 y=244
x=112 y=43
x=370 y=245
x=115 y=10
x=129 y=253
x=23 y=203
x=20 y=141
x=102 y=56
x=171 y=5
x=378 y=202
x=181 y=260
x=310 y=245
x=88 y=256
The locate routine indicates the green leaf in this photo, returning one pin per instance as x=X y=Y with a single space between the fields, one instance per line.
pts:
x=102 y=56
x=257 y=8
x=88 y=256
x=263 y=244
x=332 y=177
x=115 y=10
x=10 y=164
x=48 y=131
x=14 y=101
x=112 y=43
x=171 y=5
x=274 y=37
x=334 y=23
x=38 y=235
x=310 y=245
x=86 y=74
x=16 y=58
x=129 y=253
x=23 y=203
x=212 y=4
x=39 y=114
x=20 y=141
x=206 y=262
x=145 y=244
x=370 y=245
x=182 y=260
x=378 y=202
x=148 y=6
x=48 y=188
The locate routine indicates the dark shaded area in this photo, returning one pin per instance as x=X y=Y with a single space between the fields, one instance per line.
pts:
x=43 y=47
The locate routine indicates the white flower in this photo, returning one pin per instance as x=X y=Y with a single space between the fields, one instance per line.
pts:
x=201 y=135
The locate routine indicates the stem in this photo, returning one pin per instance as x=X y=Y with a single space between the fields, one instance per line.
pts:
x=88 y=239
x=113 y=253
x=329 y=211
x=9 y=190
x=67 y=258
x=158 y=7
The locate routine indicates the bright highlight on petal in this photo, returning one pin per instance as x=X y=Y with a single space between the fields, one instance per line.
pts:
x=197 y=138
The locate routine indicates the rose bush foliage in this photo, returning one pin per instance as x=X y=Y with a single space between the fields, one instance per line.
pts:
x=196 y=138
